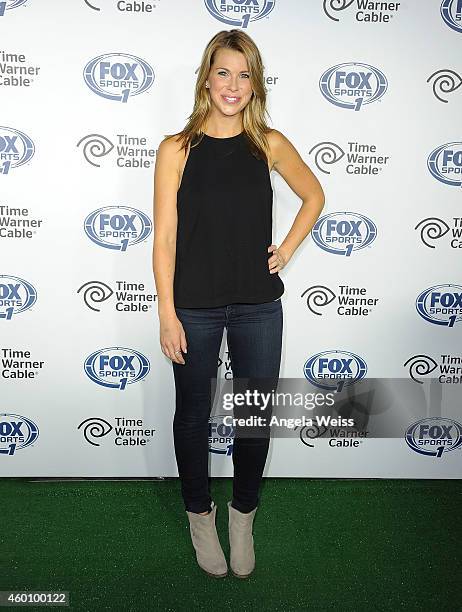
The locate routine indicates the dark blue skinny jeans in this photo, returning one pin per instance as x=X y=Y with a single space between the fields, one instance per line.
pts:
x=254 y=338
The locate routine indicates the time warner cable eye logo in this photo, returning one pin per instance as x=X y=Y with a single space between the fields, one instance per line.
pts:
x=420 y=365
x=95 y=146
x=16 y=149
x=352 y=85
x=445 y=82
x=341 y=233
x=434 y=436
x=445 y=163
x=451 y=12
x=117 y=76
x=16 y=432
x=95 y=428
x=116 y=367
x=117 y=227
x=7 y=5
x=16 y=296
x=441 y=305
x=432 y=228
x=333 y=370
x=239 y=13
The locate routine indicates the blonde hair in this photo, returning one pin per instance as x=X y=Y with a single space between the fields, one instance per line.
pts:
x=254 y=122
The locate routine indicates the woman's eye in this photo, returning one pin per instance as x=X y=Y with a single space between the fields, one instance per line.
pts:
x=223 y=73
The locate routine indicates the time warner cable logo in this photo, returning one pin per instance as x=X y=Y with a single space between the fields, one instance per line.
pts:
x=333 y=370
x=118 y=76
x=239 y=13
x=445 y=163
x=451 y=12
x=366 y=11
x=7 y=5
x=352 y=85
x=117 y=227
x=16 y=296
x=441 y=304
x=16 y=432
x=116 y=367
x=341 y=233
x=434 y=436
x=16 y=149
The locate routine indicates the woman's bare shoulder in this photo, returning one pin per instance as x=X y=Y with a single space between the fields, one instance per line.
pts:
x=170 y=146
x=275 y=137
x=170 y=154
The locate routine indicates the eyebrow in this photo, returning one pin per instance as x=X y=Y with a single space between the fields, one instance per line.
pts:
x=222 y=68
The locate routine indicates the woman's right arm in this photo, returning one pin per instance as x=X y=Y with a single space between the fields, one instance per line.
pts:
x=166 y=180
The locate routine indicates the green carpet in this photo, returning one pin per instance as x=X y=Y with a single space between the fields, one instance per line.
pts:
x=320 y=544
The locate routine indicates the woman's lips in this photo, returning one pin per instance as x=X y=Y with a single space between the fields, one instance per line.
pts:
x=231 y=99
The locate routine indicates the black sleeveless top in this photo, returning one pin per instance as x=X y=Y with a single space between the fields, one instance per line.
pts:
x=224 y=207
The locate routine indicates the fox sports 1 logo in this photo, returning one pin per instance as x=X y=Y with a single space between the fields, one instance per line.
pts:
x=333 y=370
x=16 y=149
x=445 y=163
x=117 y=227
x=118 y=76
x=221 y=435
x=16 y=432
x=342 y=233
x=434 y=436
x=116 y=367
x=16 y=296
x=352 y=85
x=239 y=13
x=451 y=12
x=441 y=304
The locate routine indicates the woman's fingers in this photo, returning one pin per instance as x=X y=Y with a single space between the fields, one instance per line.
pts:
x=184 y=345
x=275 y=265
x=276 y=262
x=174 y=353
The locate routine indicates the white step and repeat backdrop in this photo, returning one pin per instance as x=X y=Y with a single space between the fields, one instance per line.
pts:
x=369 y=93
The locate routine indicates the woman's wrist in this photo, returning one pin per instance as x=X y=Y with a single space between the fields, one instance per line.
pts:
x=285 y=252
x=166 y=309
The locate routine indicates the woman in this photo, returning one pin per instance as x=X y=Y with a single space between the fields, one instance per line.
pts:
x=215 y=267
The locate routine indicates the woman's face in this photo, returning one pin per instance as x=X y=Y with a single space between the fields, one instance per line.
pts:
x=229 y=82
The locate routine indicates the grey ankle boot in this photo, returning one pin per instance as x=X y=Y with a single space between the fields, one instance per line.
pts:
x=242 y=559
x=209 y=554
